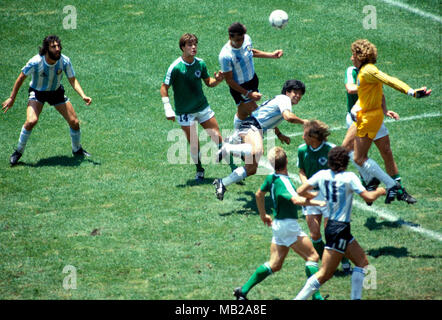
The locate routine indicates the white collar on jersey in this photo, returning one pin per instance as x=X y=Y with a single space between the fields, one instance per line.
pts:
x=318 y=148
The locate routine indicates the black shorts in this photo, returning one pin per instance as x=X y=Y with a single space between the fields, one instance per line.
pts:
x=338 y=235
x=54 y=98
x=249 y=123
x=249 y=85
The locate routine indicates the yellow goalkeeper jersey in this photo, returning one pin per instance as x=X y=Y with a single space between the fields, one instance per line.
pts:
x=370 y=81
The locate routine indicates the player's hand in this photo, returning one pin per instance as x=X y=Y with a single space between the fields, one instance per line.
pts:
x=422 y=92
x=392 y=114
x=7 y=104
x=284 y=139
x=381 y=191
x=354 y=112
x=88 y=100
x=322 y=203
x=267 y=220
x=219 y=76
x=255 y=95
x=277 y=54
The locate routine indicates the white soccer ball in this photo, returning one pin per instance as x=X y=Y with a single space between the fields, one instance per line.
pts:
x=279 y=19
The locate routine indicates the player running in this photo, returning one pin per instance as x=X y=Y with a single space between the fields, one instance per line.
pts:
x=369 y=115
x=191 y=106
x=286 y=231
x=268 y=116
x=312 y=157
x=46 y=69
x=338 y=187
x=381 y=140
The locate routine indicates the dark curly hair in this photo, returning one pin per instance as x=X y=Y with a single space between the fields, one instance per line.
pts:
x=46 y=42
x=293 y=84
x=338 y=159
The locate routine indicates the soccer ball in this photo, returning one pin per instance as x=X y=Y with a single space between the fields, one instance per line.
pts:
x=279 y=19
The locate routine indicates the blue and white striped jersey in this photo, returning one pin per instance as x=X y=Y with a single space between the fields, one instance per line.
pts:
x=46 y=77
x=269 y=114
x=240 y=60
x=338 y=189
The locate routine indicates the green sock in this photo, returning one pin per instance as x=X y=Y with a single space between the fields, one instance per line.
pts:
x=232 y=165
x=319 y=246
x=311 y=268
x=262 y=272
x=345 y=260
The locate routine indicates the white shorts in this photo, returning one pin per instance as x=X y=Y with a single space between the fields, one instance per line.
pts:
x=315 y=210
x=186 y=120
x=286 y=232
x=383 y=131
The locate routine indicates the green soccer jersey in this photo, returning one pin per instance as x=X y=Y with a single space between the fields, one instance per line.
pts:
x=185 y=80
x=282 y=191
x=351 y=76
x=313 y=160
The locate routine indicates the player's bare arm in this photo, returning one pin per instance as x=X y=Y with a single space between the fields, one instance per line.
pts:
x=304 y=191
x=8 y=103
x=260 y=203
x=270 y=55
x=282 y=137
x=164 y=92
x=77 y=87
x=213 y=82
x=254 y=95
x=351 y=88
x=302 y=176
x=370 y=196
x=292 y=118
x=302 y=201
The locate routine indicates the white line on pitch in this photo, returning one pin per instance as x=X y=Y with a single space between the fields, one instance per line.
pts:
x=417 y=117
x=413 y=10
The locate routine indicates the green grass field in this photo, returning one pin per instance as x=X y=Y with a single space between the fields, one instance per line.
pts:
x=136 y=226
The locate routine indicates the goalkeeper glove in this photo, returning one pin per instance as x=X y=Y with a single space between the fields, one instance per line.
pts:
x=419 y=93
x=354 y=112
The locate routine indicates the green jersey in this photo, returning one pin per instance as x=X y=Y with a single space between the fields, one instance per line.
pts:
x=282 y=191
x=185 y=80
x=313 y=160
x=351 y=76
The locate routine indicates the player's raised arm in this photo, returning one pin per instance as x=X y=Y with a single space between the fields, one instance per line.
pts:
x=8 y=103
x=270 y=55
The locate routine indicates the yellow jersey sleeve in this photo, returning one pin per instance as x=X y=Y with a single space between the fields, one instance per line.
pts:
x=372 y=74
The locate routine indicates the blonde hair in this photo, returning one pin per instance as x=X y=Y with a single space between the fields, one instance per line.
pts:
x=277 y=158
x=317 y=129
x=365 y=51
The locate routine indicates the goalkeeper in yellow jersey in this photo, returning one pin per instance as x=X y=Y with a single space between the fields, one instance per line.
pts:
x=369 y=115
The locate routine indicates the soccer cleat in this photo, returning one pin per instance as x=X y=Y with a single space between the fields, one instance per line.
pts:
x=221 y=154
x=220 y=189
x=392 y=193
x=239 y=295
x=13 y=160
x=403 y=195
x=371 y=186
x=199 y=176
x=81 y=153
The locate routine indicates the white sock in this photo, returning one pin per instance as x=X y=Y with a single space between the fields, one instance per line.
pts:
x=238 y=149
x=237 y=175
x=236 y=122
x=75 y=139
x=365 y=175
x=311 y=286
x=357 y=282
x=23 y=139
x=373 y=168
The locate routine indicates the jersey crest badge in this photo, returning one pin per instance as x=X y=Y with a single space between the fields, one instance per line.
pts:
x=198 y=73
x=322 y=161
x=59 y=71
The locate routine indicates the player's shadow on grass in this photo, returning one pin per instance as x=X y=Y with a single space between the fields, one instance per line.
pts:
x=193 y=183
x=249 y=206
x=396 y=252
x=63 y=161
x=371 y=224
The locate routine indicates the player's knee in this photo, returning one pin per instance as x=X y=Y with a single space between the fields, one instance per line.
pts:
x=74 y=124
x=363 y=263
x=276 y=266
x=251 y=170
x=314 y=256
x=30 y=123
